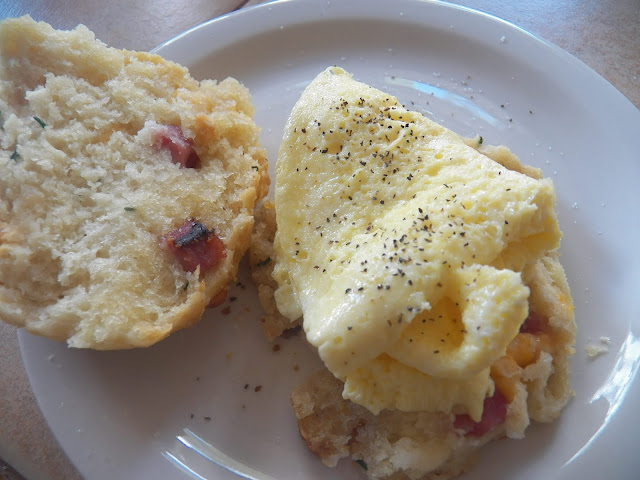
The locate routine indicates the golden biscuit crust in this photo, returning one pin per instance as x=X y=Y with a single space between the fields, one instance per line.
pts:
x=261 y=262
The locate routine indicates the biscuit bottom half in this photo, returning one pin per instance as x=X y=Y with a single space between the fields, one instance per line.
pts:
x=532 y=380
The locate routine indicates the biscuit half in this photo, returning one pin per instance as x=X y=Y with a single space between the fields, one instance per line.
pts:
x=127 y=188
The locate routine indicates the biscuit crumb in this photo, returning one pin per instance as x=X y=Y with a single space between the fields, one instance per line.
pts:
x=596 y=349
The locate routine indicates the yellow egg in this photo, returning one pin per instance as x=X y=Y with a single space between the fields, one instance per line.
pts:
x=401 y=247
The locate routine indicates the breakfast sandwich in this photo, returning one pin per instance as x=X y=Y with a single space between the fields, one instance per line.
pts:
x=424 y=270
x=127 y=188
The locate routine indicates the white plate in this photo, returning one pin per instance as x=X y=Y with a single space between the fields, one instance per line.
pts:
x=118 y=414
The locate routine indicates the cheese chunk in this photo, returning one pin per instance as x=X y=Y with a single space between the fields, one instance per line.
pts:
x=401 y=246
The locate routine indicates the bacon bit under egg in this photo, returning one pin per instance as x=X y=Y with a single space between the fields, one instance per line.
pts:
x=534 y=323
x=182 y=151
x=194 y=245
x=493 y=414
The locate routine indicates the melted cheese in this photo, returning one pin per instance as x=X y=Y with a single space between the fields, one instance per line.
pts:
x=401 y=246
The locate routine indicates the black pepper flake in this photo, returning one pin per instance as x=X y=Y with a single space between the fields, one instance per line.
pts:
x=39 y=120
x=207 y=419
x=129 y=209
x=363 y=464
x=15 y=155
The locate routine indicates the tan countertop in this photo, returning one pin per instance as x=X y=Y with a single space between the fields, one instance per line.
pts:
x=603 y=34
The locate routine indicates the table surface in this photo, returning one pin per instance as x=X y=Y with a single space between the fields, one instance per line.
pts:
x=603 y=34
